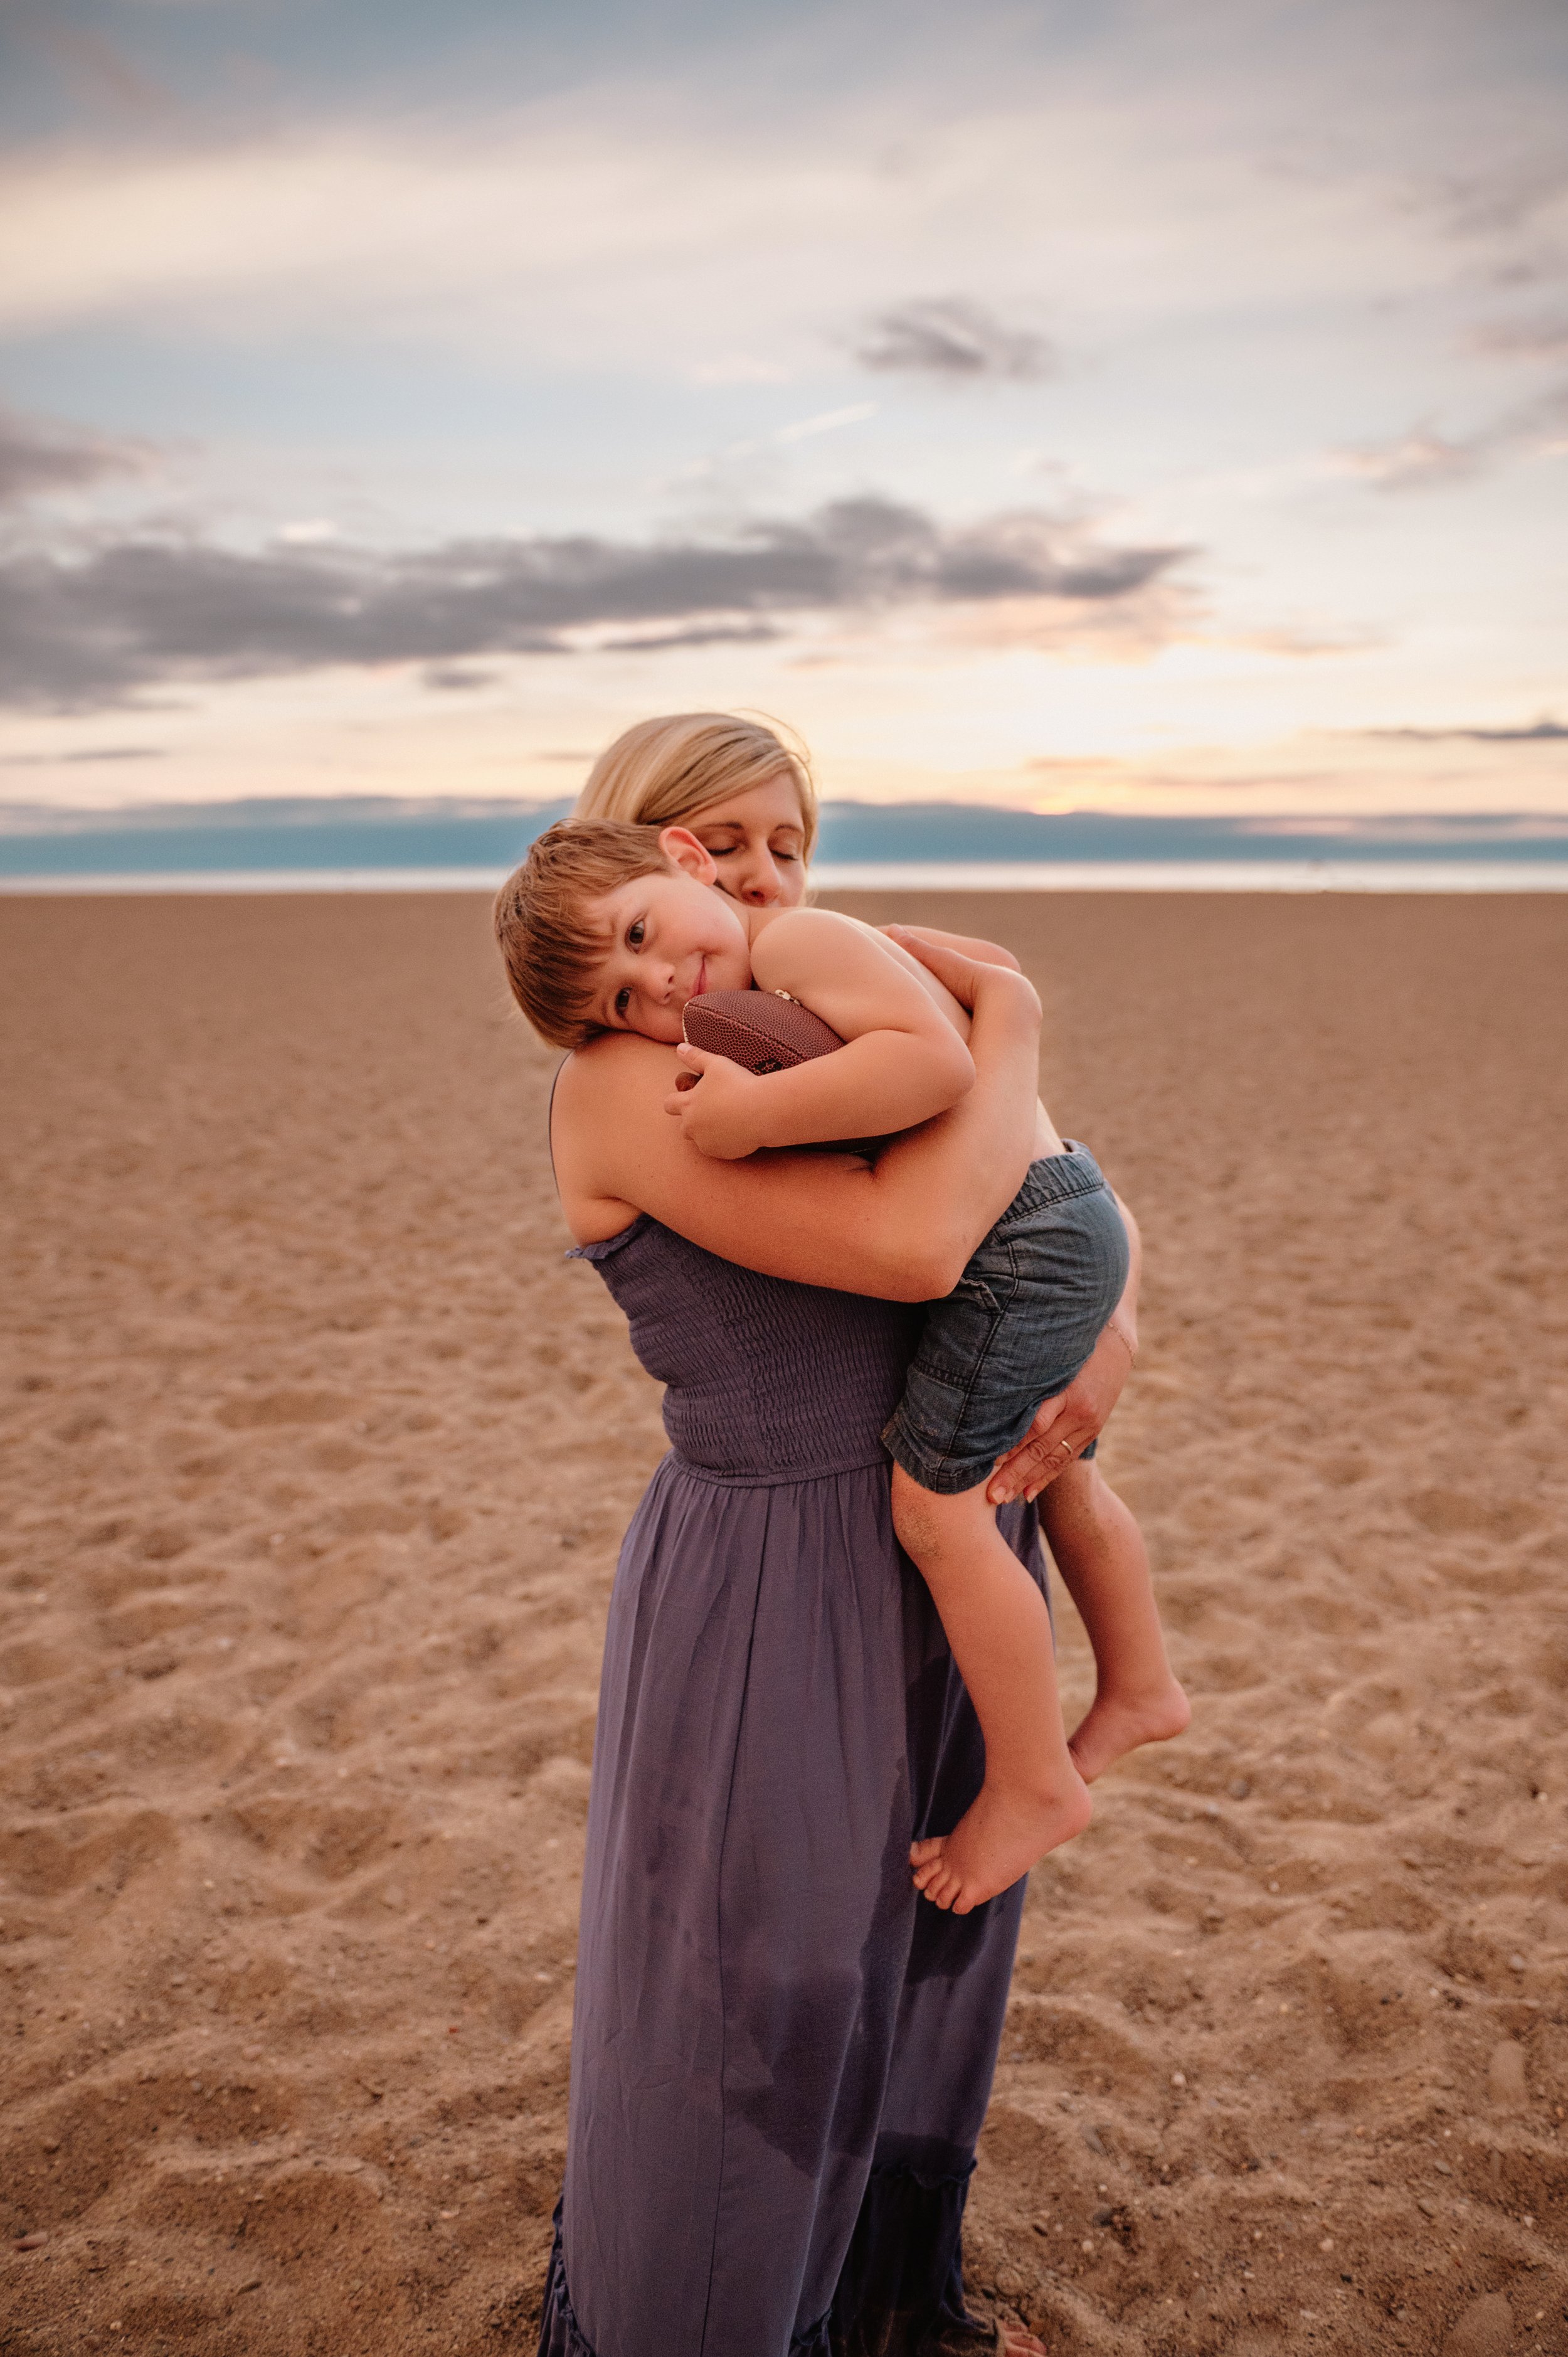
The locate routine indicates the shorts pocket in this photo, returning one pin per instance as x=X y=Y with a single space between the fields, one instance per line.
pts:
x=959 y=1331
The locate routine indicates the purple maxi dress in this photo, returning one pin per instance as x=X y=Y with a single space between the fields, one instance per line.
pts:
x=780 y=2057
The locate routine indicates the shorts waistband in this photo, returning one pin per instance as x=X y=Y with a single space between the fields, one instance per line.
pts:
x=1056 y=1178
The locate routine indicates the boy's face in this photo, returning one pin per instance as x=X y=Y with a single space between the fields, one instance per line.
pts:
x=672 y=937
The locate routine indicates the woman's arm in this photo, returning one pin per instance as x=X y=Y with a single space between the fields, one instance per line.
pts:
x=1064 y=1426
x=902 y=1230
x=983 y=953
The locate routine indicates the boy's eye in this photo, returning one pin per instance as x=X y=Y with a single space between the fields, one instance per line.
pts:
x=623 y=1000
x=634 y=933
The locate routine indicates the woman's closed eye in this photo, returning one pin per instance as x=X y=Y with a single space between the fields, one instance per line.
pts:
x=733 y=849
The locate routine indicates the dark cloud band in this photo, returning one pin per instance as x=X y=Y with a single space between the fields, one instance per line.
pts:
x=143 y=611
x=1535 y=732
x=37 y=457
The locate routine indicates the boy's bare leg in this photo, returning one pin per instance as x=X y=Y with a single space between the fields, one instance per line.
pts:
x=996 y=1623
x=1099 y=1550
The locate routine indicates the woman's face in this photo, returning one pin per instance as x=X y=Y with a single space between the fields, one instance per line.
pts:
x=758 y=842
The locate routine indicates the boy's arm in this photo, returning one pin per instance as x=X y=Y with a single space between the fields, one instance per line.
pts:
x=982 y=952
x=902 y=1061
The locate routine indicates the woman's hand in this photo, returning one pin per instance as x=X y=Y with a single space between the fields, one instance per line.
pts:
x=970 y=979
x=1064 y=1427
x=985 y=953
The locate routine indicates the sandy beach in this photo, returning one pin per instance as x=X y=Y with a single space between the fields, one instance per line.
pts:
x=319 y=1453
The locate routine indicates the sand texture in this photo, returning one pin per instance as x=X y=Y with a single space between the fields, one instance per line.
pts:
x=318 y=1456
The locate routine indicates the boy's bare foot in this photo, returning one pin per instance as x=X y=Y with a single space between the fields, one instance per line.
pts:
x=1115 y=1723
x=998 y=1838
x=1014 y=2341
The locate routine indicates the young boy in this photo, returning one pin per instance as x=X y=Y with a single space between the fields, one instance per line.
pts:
x=609 y=927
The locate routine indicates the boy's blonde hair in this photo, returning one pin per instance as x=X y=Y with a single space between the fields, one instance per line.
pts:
x=549 y=945
x=664 y=771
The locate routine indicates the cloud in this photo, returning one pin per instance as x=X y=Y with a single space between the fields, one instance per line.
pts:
x=826 y=421
x=456 y=679
x=1414 y=461
x=1502 y=200
x=37 y=457
x=1538 y=732
x=95 y=69
x=592 y=224
x=145 y=612
x=86 y=756
x=947 y=335
x=800 y=429
x=1545 y=334
x=1427 y=459
x=700 y=634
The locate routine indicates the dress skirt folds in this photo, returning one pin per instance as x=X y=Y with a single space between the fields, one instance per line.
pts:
x=780 y=2057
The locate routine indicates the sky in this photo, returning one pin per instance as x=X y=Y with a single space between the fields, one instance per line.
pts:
x=1159 y=405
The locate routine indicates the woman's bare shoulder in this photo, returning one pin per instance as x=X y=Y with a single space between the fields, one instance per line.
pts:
x=607 y=1095
x=612 y=1062
x=604 y=1094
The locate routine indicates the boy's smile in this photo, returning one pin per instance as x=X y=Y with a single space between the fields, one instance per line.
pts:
x=671 y=939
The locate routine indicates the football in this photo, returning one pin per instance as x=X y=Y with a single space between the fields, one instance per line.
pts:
x=766 y=1032
x=760 y=1029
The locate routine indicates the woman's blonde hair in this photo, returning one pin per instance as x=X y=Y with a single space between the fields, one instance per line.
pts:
x=664 y=771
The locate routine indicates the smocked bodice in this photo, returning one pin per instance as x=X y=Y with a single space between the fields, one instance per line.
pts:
x=765 y=1381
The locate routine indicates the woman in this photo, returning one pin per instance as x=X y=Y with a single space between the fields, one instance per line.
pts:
x=748 y=794
x=780 y=2059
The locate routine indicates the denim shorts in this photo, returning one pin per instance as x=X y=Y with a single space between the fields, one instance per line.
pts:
x=1020 y=1323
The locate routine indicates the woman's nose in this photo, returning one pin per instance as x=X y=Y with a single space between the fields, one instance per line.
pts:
x=761 y=887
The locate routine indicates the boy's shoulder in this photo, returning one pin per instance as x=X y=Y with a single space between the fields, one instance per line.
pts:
x=792 y=933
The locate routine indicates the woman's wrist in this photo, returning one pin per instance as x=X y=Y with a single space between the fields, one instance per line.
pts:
x=1003 y=995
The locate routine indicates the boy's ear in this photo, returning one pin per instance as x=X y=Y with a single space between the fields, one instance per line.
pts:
x=692 y=858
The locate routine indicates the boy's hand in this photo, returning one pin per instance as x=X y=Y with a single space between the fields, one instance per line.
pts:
x=721 y=1117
